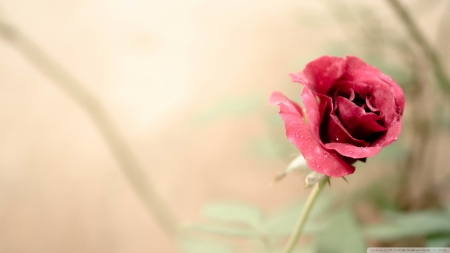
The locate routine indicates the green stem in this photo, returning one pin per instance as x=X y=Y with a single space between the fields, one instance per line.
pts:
x=111 y=135
x=304 y=216
x=420 y=39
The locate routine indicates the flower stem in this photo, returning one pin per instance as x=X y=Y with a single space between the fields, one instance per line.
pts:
x=133 y=171
x=304 y=216
x=423 y=43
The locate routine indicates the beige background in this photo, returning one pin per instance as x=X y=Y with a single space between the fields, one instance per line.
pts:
x=156 y=66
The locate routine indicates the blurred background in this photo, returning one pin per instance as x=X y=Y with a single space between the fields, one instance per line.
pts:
x=186 y=84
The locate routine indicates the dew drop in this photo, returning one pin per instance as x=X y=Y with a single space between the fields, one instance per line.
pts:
x=337 y=138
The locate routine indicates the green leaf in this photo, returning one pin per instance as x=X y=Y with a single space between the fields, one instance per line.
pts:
x=404 y=225
x=379 y=192
x=438 y=241
x=198 y=246
x=223 y=230
x=282 y=223
x=233 y=212
x=341 y=235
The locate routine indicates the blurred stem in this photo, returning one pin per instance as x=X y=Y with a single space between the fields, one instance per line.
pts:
x=443 y=35
x=266 y=243
x=119 y=149
x=304 y=216
x=420 y=39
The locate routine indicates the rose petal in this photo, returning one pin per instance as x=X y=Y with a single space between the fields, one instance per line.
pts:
x=380 y=95
x=317 y=157
x=359 y=71
x=314 y=110
x=353 y=151
x=358 y=122
x=320 y=74
x=332 y=130
x=398 y=93
x=361 y=152
x=391 y=134
x=370 y=106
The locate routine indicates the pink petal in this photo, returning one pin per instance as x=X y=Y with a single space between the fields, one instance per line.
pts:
x=361 y=152
x=314 y=110
x=353 y=151
x=350 y=150
x=381 y=97
x=359 y=71
x=320 y=74
x=331 y=128
x=398 y=93
x=391 y=135
x=370 y=106
x=317 y=157
x=358 y=123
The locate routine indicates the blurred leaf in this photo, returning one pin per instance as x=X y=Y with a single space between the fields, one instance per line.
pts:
x=342 y=235
x=379 y=192
x=282 y=223
x=404 y=225
x=223 y=230
x=198 y=246
x=300 y=249
x=442 y=240
x=233 y=212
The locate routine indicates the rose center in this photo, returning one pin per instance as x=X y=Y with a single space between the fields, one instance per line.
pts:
x=358 y=116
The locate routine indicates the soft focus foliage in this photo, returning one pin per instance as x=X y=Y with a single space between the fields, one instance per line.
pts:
x=185 y=83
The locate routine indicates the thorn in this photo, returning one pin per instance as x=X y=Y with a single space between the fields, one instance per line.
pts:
x=345 y=179
x=328 y=181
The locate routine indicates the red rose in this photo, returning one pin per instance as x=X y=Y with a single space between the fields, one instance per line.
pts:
x=353 y=111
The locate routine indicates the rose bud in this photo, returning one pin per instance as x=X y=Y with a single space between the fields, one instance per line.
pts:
x=353 y=111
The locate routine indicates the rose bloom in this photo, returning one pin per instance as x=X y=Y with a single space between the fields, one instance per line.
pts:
x=352 y=110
